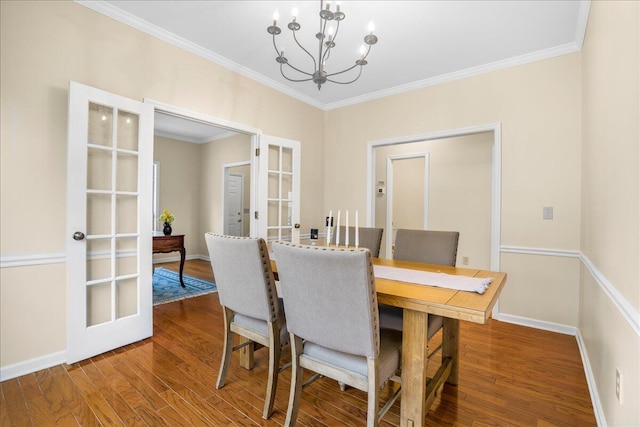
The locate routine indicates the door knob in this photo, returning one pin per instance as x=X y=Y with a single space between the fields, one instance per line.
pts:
x=78 y=235
x=297 y=225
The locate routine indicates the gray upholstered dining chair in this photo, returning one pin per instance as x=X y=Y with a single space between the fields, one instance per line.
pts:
x=332 y=315
x=251 y=307
x=430 y=247
x=369 y=237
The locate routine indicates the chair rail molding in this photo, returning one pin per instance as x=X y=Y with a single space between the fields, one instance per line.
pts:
x=21 y=260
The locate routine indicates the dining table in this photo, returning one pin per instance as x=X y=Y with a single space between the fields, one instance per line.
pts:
x=417 y=302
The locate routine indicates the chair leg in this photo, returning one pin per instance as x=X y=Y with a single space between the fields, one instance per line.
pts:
x=296 y=381
x=372 y=393
x=274 y=367
x=228 y=348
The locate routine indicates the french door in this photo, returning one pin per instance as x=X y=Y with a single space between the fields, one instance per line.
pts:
x=109 y=221
x=279 y=181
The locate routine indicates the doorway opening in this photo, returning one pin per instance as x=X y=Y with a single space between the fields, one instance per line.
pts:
x=491 y=132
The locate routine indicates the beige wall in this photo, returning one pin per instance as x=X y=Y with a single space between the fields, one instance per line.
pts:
x=181 y=186
x=459 y=190
x=538 y=106
x=44 y=45
x=191 y=185
x=610 y=220
x=214 y=156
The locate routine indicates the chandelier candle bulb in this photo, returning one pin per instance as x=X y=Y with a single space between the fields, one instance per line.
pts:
x=357 y=231
x=346 y=229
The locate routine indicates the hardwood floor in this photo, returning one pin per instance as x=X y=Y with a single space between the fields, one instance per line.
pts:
x=509 y=376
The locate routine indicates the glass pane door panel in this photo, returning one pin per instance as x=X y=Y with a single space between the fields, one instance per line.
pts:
x=127 y=172
x=100 y=125
x=273 y=189
x=99 y=169
x=98 y=214
x=126 y=214
x=285 y=234
x=287 y=160
x=127 y=131
x=98 y=259
x=274 y=158
x=273 y=218
x=98 y=304
x=126 y=256
x=287 y=186
x=285 y=214
x=273 y=234
x=126 y=297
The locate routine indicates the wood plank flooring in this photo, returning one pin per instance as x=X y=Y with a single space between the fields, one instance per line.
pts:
x=509 y=376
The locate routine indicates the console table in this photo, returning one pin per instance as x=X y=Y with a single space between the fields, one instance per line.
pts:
x=173 y=243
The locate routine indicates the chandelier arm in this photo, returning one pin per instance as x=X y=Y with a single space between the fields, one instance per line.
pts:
x=327 y=52
x=274 y=45
x=366 y=54
x=298 y=70
x=345 y=83
x=323 y=29
x=345 y=70
x=305 y=50
x=293 y=80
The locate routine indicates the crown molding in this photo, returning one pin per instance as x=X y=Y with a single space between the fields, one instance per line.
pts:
x=458 y=75
x=133 y=21
x=146 y=27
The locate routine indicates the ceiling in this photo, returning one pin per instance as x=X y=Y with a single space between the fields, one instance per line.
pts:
x=421 y=43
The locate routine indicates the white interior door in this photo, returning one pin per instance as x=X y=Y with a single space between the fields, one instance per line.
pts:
x=279 y=189
x=234 y=204
x=109 y=221
x=407 y=197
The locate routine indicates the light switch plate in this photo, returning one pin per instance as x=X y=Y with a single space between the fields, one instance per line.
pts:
x=547 y=212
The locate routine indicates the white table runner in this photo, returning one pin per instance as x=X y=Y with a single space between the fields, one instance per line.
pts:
x=441 y=280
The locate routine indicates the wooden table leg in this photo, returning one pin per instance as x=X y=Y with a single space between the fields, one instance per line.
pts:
x=450 y=346
x=246 y=355
x=414 y=368
x=182 y=257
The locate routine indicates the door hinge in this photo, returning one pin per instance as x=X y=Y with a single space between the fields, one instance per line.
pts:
x=255 y=215
x=257 y=152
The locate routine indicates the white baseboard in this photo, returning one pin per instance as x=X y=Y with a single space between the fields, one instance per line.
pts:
x=591 y=382
x=177 y=258
x=28 y=366
x=537 y=324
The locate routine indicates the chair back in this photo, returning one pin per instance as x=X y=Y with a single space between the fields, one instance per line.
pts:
x=243 y=275
x=369 y=237
x=428 y=246
x=329 y=296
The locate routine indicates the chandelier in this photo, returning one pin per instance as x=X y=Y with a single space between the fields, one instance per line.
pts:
x=326 y=42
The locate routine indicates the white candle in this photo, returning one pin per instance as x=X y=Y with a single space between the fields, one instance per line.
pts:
x=346 y=229
x=357 y=231
x=329 y=227
x=338 y=230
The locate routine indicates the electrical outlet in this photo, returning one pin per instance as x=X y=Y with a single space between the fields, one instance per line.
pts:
x=547 y=212
x=465 y=260
x=618 y=385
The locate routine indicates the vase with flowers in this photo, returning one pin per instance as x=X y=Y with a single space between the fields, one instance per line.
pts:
x=166 y=218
